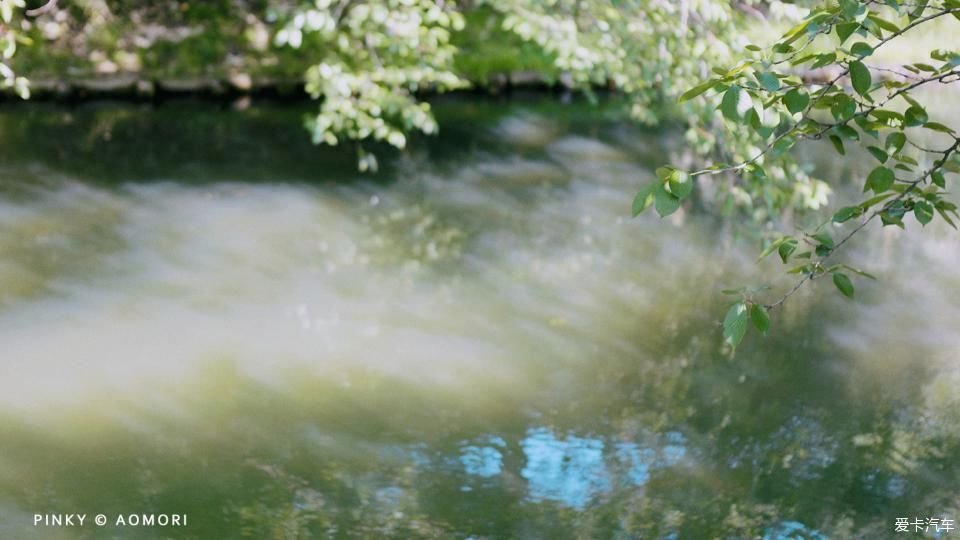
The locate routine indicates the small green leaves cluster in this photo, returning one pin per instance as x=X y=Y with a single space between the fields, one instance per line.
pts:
x=739 y=317
x=666 y=193
x=379 y=55
x=375 y=58
x=810 y=260
x=818 y=83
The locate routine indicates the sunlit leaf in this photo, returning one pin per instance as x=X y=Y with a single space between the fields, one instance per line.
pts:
x=644 y=198
x=735 y=324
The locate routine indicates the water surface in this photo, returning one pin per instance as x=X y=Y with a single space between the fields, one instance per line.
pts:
x=201 y=313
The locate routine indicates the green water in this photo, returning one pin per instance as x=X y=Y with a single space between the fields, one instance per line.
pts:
x=202 y=314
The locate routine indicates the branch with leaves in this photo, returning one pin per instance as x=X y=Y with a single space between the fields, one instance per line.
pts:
x=774 y=109
x=376 y=59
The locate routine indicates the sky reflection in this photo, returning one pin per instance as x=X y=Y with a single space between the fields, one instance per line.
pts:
x=574 y=470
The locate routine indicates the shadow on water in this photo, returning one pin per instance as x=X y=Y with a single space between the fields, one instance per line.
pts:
x=199 y=315
x=107 y=143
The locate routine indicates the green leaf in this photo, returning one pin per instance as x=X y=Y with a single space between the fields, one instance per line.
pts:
x=783 y=48
x=872 y=201
x=859 y=272
x=937 y=126
x=735 y=324
x=938 y=179
x=771 y=247
x=843 y=108
x=664 y=173
x=915 y=116
x=918 y=9
x=868 y=126
x=760 y=317
x=846 y=214
x=847 y=132
x=923 y=211
x=883 y=23
x=838 y=144
x=895 y=141
x=644 y=198
x=823 y=60
x=910 y=100
x=796 y=100
x=906 y=159
x=881 y=179
x=843 y=283
x=786 y=249
x=782 y=145
x=878 y=153
x=860 y=77
x=680 y=184
x=794 y=33
x=849 y=8
x=664 y=201
x=845 y=30
x=946 y=217
x=888 y=118
x=697 y=90
x=769 y=81
x=734 y=292
x=728 y=106
x=825 y=239
x=861 y=49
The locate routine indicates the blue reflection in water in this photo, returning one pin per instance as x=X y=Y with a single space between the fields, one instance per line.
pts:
x=573 y=470
x=483 y=461
x=638 y=461
x=675 y=449
x=792 y=530
x=570 y=471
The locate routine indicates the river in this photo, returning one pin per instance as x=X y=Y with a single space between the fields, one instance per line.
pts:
x=203 y=314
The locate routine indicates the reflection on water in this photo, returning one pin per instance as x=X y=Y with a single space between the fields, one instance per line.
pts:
x=201 y=313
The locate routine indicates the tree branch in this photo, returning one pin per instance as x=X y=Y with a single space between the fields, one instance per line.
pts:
x=890 y=204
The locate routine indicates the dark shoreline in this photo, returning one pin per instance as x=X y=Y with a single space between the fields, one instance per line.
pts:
x=134 y=89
